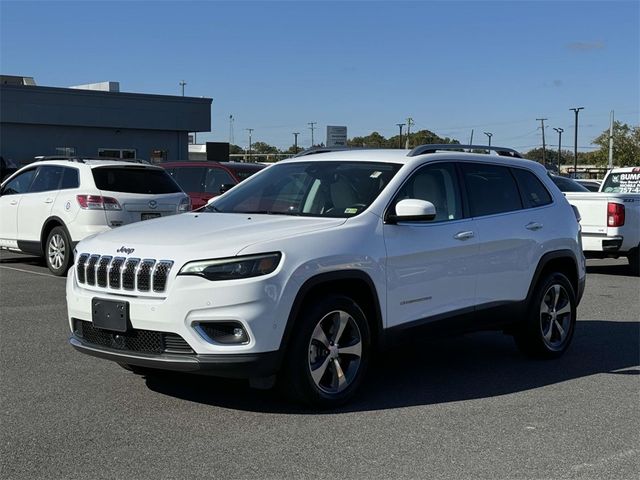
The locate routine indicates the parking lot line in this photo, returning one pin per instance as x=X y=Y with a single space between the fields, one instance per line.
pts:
x=29 y=271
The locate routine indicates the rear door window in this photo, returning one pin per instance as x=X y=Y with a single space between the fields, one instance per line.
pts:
x=491 y=189
x=534 y=194
x=47 y=179
x=134 y=180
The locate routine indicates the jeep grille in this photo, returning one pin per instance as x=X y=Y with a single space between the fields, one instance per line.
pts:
x=119 y=273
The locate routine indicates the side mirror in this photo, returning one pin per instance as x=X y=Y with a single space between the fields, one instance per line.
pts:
x=225 y=187
x=413 y=210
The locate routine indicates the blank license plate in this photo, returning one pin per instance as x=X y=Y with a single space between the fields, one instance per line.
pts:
x=147 y=216
x=110 y=314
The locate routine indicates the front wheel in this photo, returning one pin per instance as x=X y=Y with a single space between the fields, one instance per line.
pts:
x=58 y=254
x=329 y=352
x=551 y=318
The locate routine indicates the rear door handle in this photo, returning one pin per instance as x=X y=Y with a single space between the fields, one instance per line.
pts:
x=463 y=235
x=533 y=226
x=49 y=200
x=13 y=202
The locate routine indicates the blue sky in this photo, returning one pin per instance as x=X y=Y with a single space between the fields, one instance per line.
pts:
x=275 y=66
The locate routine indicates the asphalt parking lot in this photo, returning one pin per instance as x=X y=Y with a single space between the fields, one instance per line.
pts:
x=467 y=407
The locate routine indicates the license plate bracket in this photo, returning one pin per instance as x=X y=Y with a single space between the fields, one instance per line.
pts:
x=149 y=215
x=110 y=314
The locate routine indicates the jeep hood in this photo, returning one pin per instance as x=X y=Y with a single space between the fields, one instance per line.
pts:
x=200 y=235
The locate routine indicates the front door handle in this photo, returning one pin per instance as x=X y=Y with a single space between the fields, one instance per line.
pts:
x=49 y=200
x=463 y=235
x=13 y=202
x=533 y=226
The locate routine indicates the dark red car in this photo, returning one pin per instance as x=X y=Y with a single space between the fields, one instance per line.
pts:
x=206 y=179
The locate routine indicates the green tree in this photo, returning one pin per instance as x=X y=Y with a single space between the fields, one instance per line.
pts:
x=235 y=149
x=626 y=146
x=262 y=147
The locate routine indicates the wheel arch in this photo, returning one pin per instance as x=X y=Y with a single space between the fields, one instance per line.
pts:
x=50 y=224
x=355 y=284
x=562 y=261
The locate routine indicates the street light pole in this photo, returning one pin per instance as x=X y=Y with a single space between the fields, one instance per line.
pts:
x=575 y=142
x=400 y=125
x=295 y=141
x=250 y=130
x=182 y=84
x=312 y=126
x=489 y=134
x=559 y=130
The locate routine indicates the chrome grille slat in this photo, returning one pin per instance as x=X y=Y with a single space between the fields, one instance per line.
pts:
x=91 y=269
x=101 y=274
x=129 y=274
x=115 y=272
x=120 y=273
x=160 y=274
x=81 y=267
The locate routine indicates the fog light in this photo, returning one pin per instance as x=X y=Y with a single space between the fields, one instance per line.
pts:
x=228 y=333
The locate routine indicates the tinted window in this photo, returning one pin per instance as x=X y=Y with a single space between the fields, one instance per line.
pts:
x=20 y=183
x=216 y=177
x=491 y=188
x=70 y=178
x=534 y=194
x=190 y=179
x=567 y=184
x=47 y=179
x=314 y=188
x=437 y=184
x=134 y=180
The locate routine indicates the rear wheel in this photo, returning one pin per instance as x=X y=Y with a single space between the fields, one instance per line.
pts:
x=58 y=254
x=551 y=318
x=329 y=352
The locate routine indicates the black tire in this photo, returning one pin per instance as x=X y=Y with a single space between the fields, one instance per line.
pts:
x=634 y=261
x=550 y=318
x=331 y=385
x=58 y=252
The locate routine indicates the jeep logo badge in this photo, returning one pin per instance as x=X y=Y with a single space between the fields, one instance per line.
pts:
x=126 y=250
x=153 y=204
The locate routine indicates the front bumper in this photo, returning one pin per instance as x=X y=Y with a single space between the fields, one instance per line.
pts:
x=238 y=365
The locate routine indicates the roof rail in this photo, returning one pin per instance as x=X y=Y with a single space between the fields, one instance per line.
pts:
x=435 y=147
x=314 y=150
x=47 y=158
x=50 y=158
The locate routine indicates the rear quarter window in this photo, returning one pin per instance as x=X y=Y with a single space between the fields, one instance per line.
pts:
x=134 y=180
x=533 y=192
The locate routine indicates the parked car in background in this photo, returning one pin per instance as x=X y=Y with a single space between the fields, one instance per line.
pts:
x=49 y=205
x=591 y=185
x=310 y=268
x=203 y=180
x=610 y=219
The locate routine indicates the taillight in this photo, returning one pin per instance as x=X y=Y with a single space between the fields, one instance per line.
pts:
x=97 y=202
x=615 y=214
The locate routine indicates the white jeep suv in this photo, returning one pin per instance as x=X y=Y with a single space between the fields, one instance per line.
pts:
x=50 y=205
x=316 y=263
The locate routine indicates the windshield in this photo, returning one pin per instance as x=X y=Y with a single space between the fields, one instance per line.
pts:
x=628 y=182
x=314 y=188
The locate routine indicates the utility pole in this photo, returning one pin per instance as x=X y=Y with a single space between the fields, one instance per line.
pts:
x=182 y=84
x=575 y=142
x=489 y=134
x=312 y=127
x=559 y=130
x=409 y=123
x=250 y=130
x=295 y=141
x=231 y=139
x=400 y=141
x=544 y=146
x=611 y=142
x=471 y=138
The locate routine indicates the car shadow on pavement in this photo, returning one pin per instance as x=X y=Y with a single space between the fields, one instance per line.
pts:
x=474 y=366
x=622 y=270
x=23 y=259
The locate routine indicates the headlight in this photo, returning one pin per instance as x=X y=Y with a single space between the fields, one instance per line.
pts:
x=233 y=268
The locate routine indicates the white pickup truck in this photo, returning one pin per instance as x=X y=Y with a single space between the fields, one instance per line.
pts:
x=611 y=217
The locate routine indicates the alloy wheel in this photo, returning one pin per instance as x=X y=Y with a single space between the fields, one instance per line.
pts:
x=56 y=251
x=555 y=316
